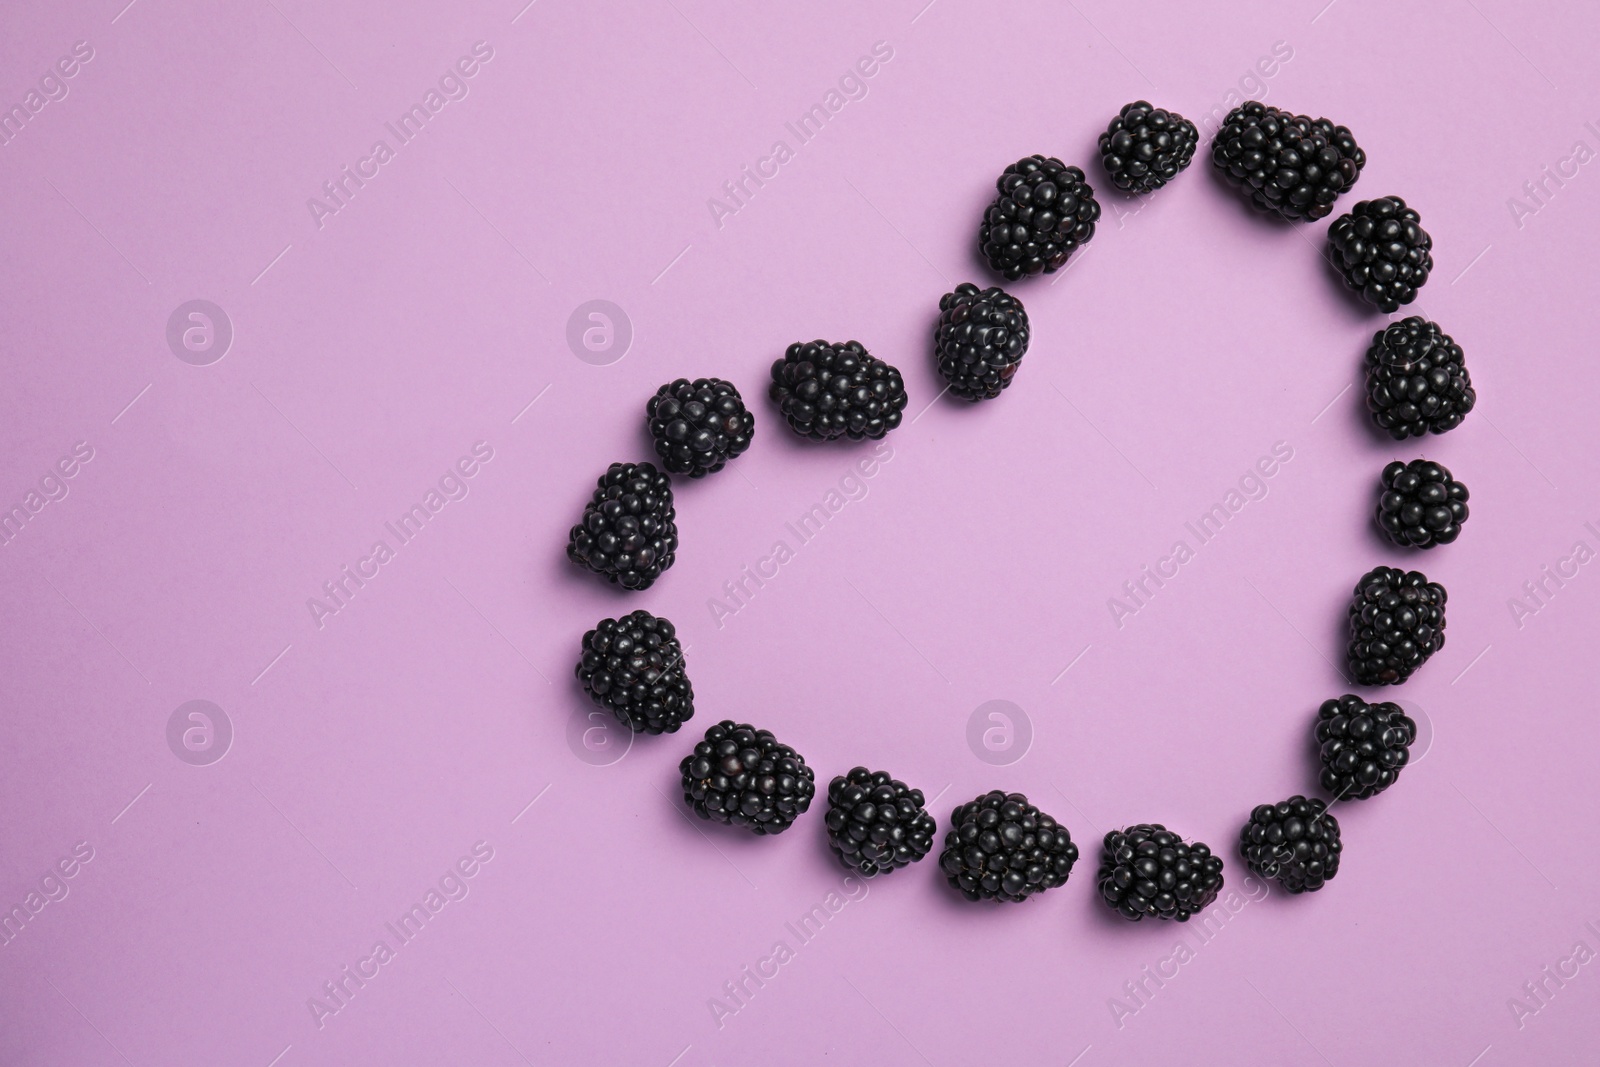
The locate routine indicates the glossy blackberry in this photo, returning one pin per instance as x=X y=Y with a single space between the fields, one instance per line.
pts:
x=1045 y=209
x=698 y=426
x=837 y=390
x=1421 y=505
x=1291 y=165
x=1000 y=847
x=634 y=666
x=1363 y=746
x=980 y=340
x=1145 y=147
x=743 y=777
x=1417 y=379
x=1396 y=623
x=627 y=535
x=1147 y=870
x=1295 y=841
x=876 y=823
x=1382 y=252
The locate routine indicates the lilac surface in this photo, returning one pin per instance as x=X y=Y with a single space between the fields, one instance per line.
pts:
x=374 y=751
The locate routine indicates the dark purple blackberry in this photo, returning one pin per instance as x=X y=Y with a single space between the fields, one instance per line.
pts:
x=980 y=340
x=1045 y=209
x=634 y=666
x=743 y=777
x=1417 y=379
x=1295 y=841
x=876 y=823
x=1381 y=251
x=1396 y=623
x=837 y=390
x=1145 y=147
x=1147 y=870
x=698 y=426
x=1363 y=746
x=1291 y=165
x=627 y=534
x=1000 y=847
x=1421 y=505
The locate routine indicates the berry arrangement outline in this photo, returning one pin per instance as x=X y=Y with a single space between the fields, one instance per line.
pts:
x=998 y=846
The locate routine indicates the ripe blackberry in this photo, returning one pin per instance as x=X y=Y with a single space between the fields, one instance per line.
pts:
x=980 y=340
x=1295 y=841
x=743 y=777
x=1148 y=870
x=1417 y=379
x=1145 y=147
x=634 y=666
x=835 y=390
x=627 y=534
x=1292 y=165
x=1363 y=746
x=1396 y=623
x=1000 y=847
x=1382 y=252
x=1421 y=506
x=876 y=823
x=1045 y=209
x=698 y=426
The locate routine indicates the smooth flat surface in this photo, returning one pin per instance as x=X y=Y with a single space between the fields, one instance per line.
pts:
x=371 y=352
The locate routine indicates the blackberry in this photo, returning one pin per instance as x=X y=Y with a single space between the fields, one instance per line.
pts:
x=1363 y=746
x=698 y=426
x=980 y=340
x=1045 y=209
x=1145 y=147
x=1000 y=847
x=743 y=777
x=836 y=390
x=627 y=534
x=634 y=666
x=1421 y=506
x=1295 y=841
x=1149 y=870
x=1417 y=379
x=1396 y=623
x=1381 y=251
x=1292 y=165
x=875 y=823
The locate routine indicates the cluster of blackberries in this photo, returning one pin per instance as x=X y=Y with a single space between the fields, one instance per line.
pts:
x=999 y=846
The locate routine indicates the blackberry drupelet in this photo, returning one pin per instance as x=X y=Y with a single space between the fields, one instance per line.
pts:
x=1363 y=746
x=1045 y=209
x=1000 y=847
x=698 y=426
x=1417 y=379
x=1295 y=841
x=876 y=823
x=743 y=777
x=1382 y=252
x=1291 y=165
x=980 y=340
x=1421 y=505
x=1396 y=623
x=634 y=666
x=1145 y=147
x=1147 y=870
x=627 y=534
x=837 y=390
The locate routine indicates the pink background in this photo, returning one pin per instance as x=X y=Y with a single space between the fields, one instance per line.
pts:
x=371 y=754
